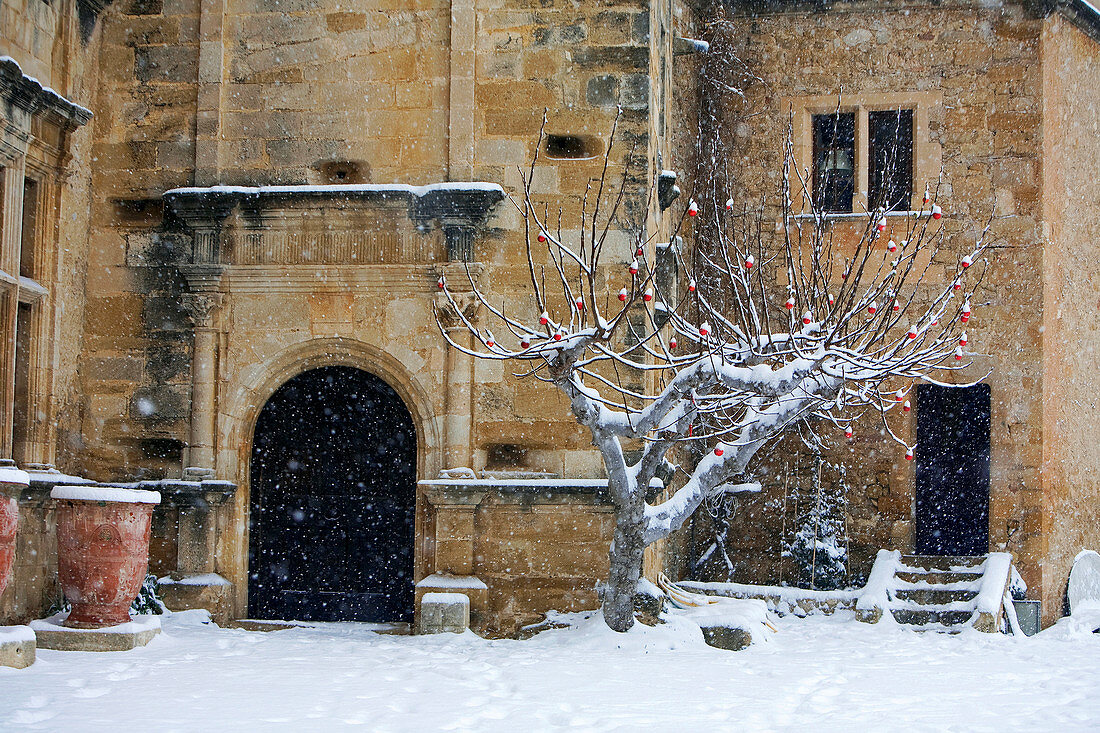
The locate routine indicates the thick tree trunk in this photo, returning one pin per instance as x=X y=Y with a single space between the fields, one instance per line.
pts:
x=626 y=554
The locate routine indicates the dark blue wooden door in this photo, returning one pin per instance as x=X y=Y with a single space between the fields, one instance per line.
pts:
x=952 y=457
x=333 y=493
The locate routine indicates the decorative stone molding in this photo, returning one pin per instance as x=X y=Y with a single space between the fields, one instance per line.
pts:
x=277 y=223
x=464 y=309
x=28 y=94
x=202 y=307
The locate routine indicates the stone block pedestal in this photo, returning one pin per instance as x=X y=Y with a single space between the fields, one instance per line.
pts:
x=443 y=612
x=209 y=590
x=50 y=634
x=468 y=585
x=17 y=646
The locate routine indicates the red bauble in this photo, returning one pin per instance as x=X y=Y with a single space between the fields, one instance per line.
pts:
x=872 y=308
x=580 y=304
x=897 y=306
x=693 y=209
x=937 y=212
x=544 y=318
x=912 y=332
x=909 y=454
x=441 y=283
x=729 y=204
x=648 y=295
x=704 y=329
x=807 y=318
x=691 y=286
x=848 y=433
x=891 y=246
x=672 y=343
x=881 y=226
x=962 y=339
x=966 y=261
x=622 y=295
x=907 y=407
x=749 y=262
x=634 y=267
x=557 y=335
x=524 y=344
x=718 y=451
x=542 y=236
x=789 y=304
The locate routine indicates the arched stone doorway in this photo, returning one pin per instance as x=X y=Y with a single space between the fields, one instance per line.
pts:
x=333 y=478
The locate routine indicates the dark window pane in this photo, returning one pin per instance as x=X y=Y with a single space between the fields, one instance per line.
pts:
x=834 y=161
x=30 y=227
x=891 y=156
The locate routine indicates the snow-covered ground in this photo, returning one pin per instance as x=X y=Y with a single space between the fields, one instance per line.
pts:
x=815 y=674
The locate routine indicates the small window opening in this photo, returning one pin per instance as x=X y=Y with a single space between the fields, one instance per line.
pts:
x=344 y=171
x=506 y=455
x=891 y=159
x=571 y=146
x=834 y=161
x=30 y=228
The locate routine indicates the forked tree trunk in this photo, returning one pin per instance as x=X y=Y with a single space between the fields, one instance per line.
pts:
x=626 y=553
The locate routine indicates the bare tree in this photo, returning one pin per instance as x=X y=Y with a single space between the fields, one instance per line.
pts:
x=810 y=327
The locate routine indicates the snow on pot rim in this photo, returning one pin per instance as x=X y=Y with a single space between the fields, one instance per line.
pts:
x=105 y=493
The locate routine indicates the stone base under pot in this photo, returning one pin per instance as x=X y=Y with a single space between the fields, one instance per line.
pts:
x=17 y=646
x=52 y=635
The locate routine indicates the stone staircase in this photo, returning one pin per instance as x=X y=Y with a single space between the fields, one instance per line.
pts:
x=937 y=593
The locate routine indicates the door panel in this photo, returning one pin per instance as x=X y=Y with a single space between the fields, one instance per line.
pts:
x=333 y=493
x=952 y=456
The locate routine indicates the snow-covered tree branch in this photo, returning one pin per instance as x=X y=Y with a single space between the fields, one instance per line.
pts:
x=797 y=325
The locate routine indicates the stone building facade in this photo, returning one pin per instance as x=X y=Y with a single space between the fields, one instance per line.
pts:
x=1004 y=100
x=229 y=197
x=271 y=189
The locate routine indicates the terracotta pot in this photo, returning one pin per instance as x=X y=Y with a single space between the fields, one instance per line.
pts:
x=12 y=481
x=102 y=551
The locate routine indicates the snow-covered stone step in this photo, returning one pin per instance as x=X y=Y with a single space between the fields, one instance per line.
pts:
x=938 y=577
x=921 y=583
x=936 y=597
x=950 y=563
x=924 y=616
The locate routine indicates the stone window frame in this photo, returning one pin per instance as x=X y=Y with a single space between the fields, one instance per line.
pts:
x=927 y=153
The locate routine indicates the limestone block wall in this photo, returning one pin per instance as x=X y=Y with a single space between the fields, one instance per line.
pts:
x=1071 y=290
x=49 y=44
x=974 y=73
x=537 y=558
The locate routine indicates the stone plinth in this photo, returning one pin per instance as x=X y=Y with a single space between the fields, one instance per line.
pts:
x=50 y=634
x=443 y=612
x=17 y=646
x=209 y=591
x=470 y=586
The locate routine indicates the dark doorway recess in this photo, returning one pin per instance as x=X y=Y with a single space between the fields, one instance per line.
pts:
x=333 y=491
x=952 y=458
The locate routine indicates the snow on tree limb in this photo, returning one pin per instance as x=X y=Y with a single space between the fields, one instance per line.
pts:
x=771 y=331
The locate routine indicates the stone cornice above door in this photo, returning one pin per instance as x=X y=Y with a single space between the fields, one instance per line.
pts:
x=333 y=225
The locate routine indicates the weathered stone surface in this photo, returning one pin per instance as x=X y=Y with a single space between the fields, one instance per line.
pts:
x=443 y=612
x=50 y=634
x=17 y=646
x=724 y=637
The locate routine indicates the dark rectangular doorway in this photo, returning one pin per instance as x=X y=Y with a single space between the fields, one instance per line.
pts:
x=952 y=458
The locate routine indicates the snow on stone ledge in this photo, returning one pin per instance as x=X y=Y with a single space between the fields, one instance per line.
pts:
x=105 y=493
x=440 y=580
x=10 y=475
x=135 y=625
x=16 y=634
x=204 y=579
x=341 y=188
x=446 y=599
